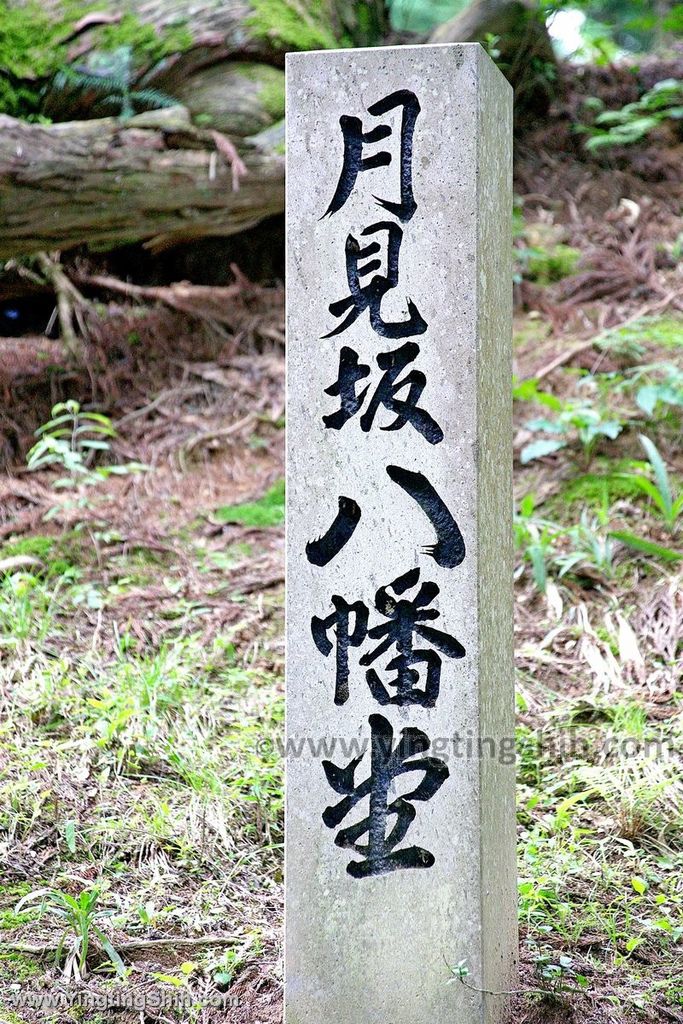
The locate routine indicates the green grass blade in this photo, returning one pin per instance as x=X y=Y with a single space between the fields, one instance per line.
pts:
x=106 y=945
x=538 y=567
x=31 y=897
x=647 y=547
x=660 y=471
x=67 y=901
x=646 y=486
x=70 y=835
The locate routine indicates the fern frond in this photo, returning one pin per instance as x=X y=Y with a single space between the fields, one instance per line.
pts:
x=101 y=83
x=152 y=98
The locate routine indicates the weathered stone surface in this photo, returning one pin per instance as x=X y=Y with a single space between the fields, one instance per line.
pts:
x=380 y=949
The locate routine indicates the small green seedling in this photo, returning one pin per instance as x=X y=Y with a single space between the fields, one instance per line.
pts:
x=576 y=421
x=535 y=538
x=590 y=548
x=70 y=440
x=79 y=916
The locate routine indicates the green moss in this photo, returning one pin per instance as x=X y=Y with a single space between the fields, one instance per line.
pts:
x=291 y=26
x=13 y=892
x=33 y=547
x=9 y=896
x=32 y=47
x=10 y=1017
x=658 y=331
x=9 y=920
x=552 y=264
x=267 y=511
x=17 y=967
x=60 y=555
x=29 y=49
x=272 y=96
x=595 y=490
x=143 y=39
x=26 y=42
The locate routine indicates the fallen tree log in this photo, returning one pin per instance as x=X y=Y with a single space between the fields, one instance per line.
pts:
x=155 y=177
x=90 y=179
x=163 y=177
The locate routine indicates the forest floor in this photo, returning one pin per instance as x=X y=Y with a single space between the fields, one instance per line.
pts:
x=141 y=636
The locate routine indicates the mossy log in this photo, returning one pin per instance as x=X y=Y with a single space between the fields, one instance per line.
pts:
x=170 y=46
x=68 y=61
x=89 y=178
x=105 y=182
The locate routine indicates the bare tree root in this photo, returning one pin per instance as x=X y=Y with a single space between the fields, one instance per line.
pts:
x=70 y=304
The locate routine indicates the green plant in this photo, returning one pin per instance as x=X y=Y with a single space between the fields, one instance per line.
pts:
x=663 y=385
x=547 y=265
x=631 y=341
x=529 y=391
x=113 y=83
x=79 y=916
x=625 y=344
x=491 y=45
x=549 y=859
x=647 y=547
x=229 y=965
x=177 y=980
x=528 y=750
x=535 y=538
x=635 y=121
x=28 y=606
x=557 y=974
x=537 y=255
x=576 y=421
x=132 y=713
x=69 y=440
x=659 y=490
x=644 y=795
x=628 y=719
x=590 y=548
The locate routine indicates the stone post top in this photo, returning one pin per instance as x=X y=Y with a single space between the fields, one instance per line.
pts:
x=295 y=54
x=462 y=51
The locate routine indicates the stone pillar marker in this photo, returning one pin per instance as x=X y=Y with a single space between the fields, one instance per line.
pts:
x=400 y=829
